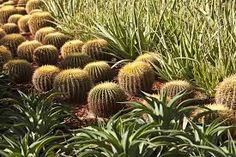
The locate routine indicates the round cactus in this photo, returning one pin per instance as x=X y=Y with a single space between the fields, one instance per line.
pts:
x=14 y=18
x=23 y=23
x=39 y=20
x=32 y=5
x=226 y=92
x=73 y=83
x=150 y=58
x=136 y=77
x=97 y=49
x=73 y=46
x=35 y=11
x=6 y=12
x=99 y=71
x=103 y=99
x=22 y=3
x=47 y=54
x=20 y=70
x=2 y=33
x=26 y=49
x=76 y=60
x=10 y=28
x=12 y=41
x=41 y=33
x=172 y=88
x=5 y=55
x=57 y=39
x=44 y=76
x=21 y=10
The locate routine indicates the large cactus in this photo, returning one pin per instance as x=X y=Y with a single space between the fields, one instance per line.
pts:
x=44 y=76
x=6 y=12
x=76 y=60
x=14 y=18
x=57 y=39
x=23 y=23
x=74 y=84
x=5 y=56
x=72 y=46
x=10 y=28
x=103 y=99
x=136 y=77
x=41 y=33
x=32 y=5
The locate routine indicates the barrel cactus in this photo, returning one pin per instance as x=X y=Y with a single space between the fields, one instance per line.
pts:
x=21 y=10
x=73 y=83
x=5 y=55
x=149 y=57
x=76 y=60
x=26 y=49
x=44 y=76
x=2 y=33
x=23 y=23
x=32 y=5
x=35 y=11
x=14 y=18
x=10 y=28
x=12 y=41
x=103 y=99
x=22 y=3
x=57 y=39
x=99 y=71
x=73 y=46
x=136 y=77
x=46 y=54
x=20 y=70
x=41 y=33
x=6 y=12
x=97 y=49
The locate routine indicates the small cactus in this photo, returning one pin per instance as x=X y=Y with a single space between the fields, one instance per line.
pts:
x=2 y=33
x=26 y=49
x=32 y=5
x=5 y=56
x=41 y=33
x=99 y=71
x=14 y=18
x=23 y=23
x=76 y=60
x=47 y=54
x=20 y=70
x=73 y=46
x=150 y=58
x=103 y=99
x=39 y=20
x=12 y=41
x=73 y=83
x=97 y=49
x=6 y=12
x=136 y=77
x=10 y=28
x=57 y=39
x=44 y=76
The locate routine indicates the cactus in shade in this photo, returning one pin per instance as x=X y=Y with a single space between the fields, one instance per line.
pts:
x=172 y=88
x=20 y=70
x=26 y=49
x=73 y=46
x=97 y=49
x=22 y=3
x=32 y=5
x=136 y=77
x=6 y=12
x=2 y=33
x=10 y=28
x=149 y=57
x=57 y=39
x=39 y=20
x=41 y=33
x=103 y=99
x=23 y=23
x=47 y=54
x=21 y=10
x=226 y=92
x=9 y=3
x=5 y=55
x=14 y=18
x=73 y=83
x=76 y=60
x=99 y=71
x=44 y=76
x=12 y=41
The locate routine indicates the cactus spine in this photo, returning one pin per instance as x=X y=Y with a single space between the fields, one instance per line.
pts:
x=57 y=39
x=5 y=56
x=76 y=60
x=10 y=28
x=73 y=46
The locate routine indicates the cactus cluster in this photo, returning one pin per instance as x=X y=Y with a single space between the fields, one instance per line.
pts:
x=103 y=99
x=44 y=76
x=136 y=77
x=23 y=23
x=5 y=55
x=32 y=5
x=57 y=39
x=41 y=33
x=72 y=46
x=46 y=54
x=10 y=28
x=73 y=83
x=6 y=12
x=76 y=60
x=14 y=18
x=26 y=49
x=99 y=71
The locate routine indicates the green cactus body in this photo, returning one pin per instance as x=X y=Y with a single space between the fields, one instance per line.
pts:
x=6 y=12
x=39 y=20
x=103 y=99
x=2 y=33
x=21 y=10
x=19 y=69
x=26 y=49
x=99 y=71
x=14 y=18
x=32 y=5
x=74 y=84
x=12 y=41
x=23 y=23
x=44 y=76
x=136 y=77
x=149 y=57
x=57 y=39
x=41 y=33
x=76 y=60
x=46 y=54
x=73 y=46
x=10 y=28
x=97 y=49
x=5 y=56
